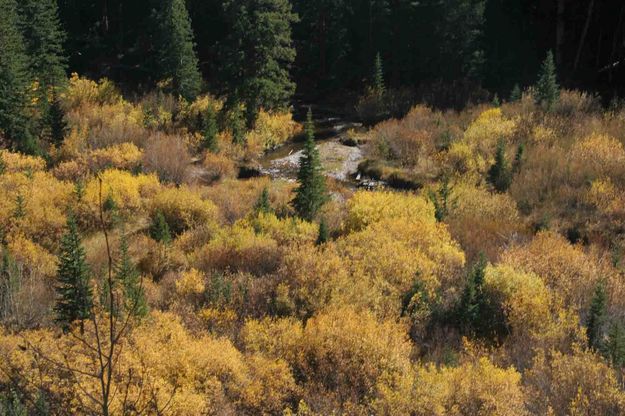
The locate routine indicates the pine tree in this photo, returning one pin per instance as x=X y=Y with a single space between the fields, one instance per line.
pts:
x=210 y=130
x=177 y=59
x=44 y=39
x=323 y=236
x=378 y=76
x=516 y=94
x=74 y=293
x=159 y=229
x=15 y=79
x=547 y=89
x=259 y=53
x=500 y=175
x=597 y=317
x=130 y=280
x=311 y=193
x=262 y=204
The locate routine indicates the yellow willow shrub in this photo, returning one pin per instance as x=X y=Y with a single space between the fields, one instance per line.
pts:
x=31 y=255
x=272 y=130
x=125 y=156
x=606 y=197
x=45 y=201
x=577 y=384
x=482 y=221
x=270 y=386
x=352 y=357
x=72 y=170
x=128 y=191
x=189 y=113
x=183 y=208
x=274 y=337
x=237 y=248
x=82 y=91
x=535 y=318
x=311 y=279
x=190 y=282
x=160 y=366
x=394 y=139
x=365 y=208
x=388 y=257
x=17 y=162
x=598 y=156
x=284 y=230
x=168 y=156
x=236 y=199
x=570 y=272
x=475 y=151
x=218 y=166
x=476 y=387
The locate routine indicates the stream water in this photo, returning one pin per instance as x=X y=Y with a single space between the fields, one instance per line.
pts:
x=339 y=160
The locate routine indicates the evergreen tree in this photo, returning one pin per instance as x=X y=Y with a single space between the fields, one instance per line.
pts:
x=496 y=102
x=547 y=89
x=441 y=199
x=3 y=165
x=159 y=229
x=472 y=302
x=20 y=207
x=74 y=293
x=378 y=76
x=15 y=81
x=597 y=317
x=130 y=280
x=311 y=193
x=516 y=94
x=500 y=175
x=210 y=130
x=177 y=60
x=262 y=204
x=56 y=121
x=259 y=53
x=614 y=348
x=323 y=236
x=44 y=39
x=518 y=158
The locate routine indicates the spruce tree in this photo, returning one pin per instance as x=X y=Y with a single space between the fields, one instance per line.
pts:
x=74 y=292
x=547 y=88
x=177 y=59
x=44 y=39
x=500 y=175
x=323 y=236
x=262 y=204
x=259 y=53
x=15 y=79
x=378 y=76
x=441 y=199
x=518 y=158
x=516 y=94
x=597 y=317
x=159 y=229
x=311 y=193
x=19 y=211
x=130 y=280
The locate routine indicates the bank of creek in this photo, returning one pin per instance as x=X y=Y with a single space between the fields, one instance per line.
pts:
x=339 y=153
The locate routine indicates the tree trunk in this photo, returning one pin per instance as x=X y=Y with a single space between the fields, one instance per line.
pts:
x=582 y=39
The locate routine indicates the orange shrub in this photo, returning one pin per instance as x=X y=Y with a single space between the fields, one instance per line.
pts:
x=167 y=156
